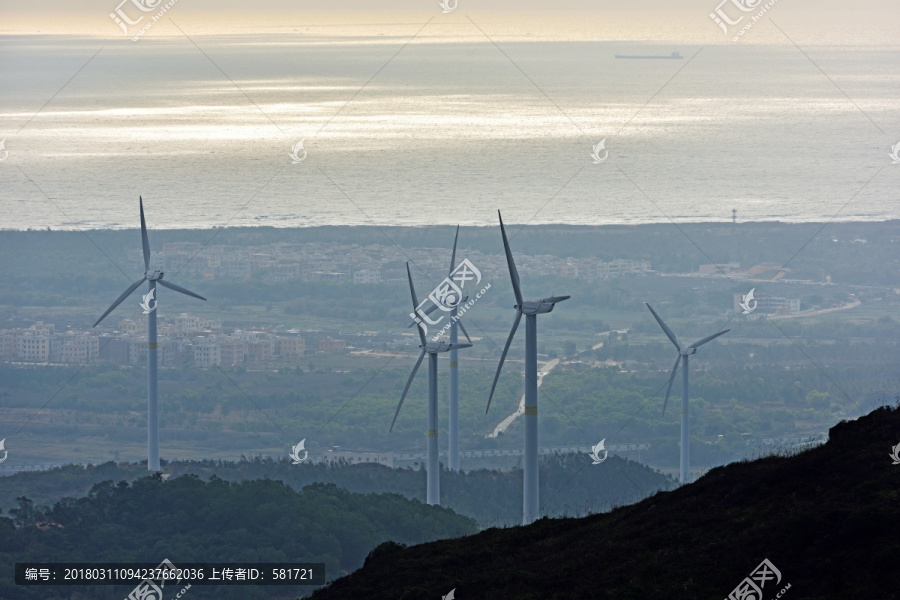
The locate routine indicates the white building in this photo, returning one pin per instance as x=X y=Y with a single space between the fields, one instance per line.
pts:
x=187 y=323
x=79 y=348
x=771 y=305
x=33 y=346
x=207 y=353
x=364 y=276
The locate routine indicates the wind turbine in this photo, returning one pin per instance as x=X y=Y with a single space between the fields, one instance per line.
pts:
x=453 y=425
x=453 y=399
x=152 y=278
x=531 y=309
x=684 y=354
x=432 y=349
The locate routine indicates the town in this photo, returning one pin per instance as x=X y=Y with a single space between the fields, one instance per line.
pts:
x=360 y=265
x=187 y=339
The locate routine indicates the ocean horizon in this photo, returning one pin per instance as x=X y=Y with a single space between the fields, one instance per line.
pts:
x=441 y=133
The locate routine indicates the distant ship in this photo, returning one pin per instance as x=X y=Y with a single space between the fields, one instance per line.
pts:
x=673 y=55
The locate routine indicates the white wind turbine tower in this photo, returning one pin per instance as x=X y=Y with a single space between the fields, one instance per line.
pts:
x=455 y=322
x=152 y=278
x=531 y=309
x=432 y=349
x=684 y=354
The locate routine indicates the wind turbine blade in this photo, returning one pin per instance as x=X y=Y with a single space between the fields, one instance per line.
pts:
x=463 y=329
x=121 y=298
x=664 y=327
x=513 y=273
x=671 y=380
x=430 y=310
x=459 y=346
x=145 y=243
x=708 y=338
x=408 y=383
x=453 y=256
x=178 y=288
x=509 y=340
x=415 y=301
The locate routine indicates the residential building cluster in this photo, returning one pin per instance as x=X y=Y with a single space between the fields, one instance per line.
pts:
x=360 y=265
x=183 y=340
x=42 y=343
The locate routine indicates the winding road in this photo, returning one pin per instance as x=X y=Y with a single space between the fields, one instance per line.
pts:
x=505 y=423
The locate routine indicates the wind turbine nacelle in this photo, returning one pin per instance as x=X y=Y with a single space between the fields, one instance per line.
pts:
x=153 y=275
x=536 y=307
x=539 y=307
x=687 y=351
x=437 y=347
x=442 y=346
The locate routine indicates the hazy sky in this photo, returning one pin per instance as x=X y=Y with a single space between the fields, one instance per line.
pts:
x=425 y=5
x=870 y=22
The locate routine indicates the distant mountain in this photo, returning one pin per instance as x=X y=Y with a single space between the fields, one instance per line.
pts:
x=827 y=520
x=570 y=485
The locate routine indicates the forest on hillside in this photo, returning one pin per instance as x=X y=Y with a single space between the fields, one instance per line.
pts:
x=570 y=484
x=190 y=520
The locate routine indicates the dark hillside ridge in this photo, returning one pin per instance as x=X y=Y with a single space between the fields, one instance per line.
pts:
x=827 y=519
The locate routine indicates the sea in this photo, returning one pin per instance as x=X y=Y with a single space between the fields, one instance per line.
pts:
x=400 y=128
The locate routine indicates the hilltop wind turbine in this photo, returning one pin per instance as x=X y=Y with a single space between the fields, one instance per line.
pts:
x=684 y=353
x=455 y=325
x=531 y=309
x=152 y=278
x=432 y=349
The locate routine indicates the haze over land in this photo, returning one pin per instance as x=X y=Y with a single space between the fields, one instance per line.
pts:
x=296 y=164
